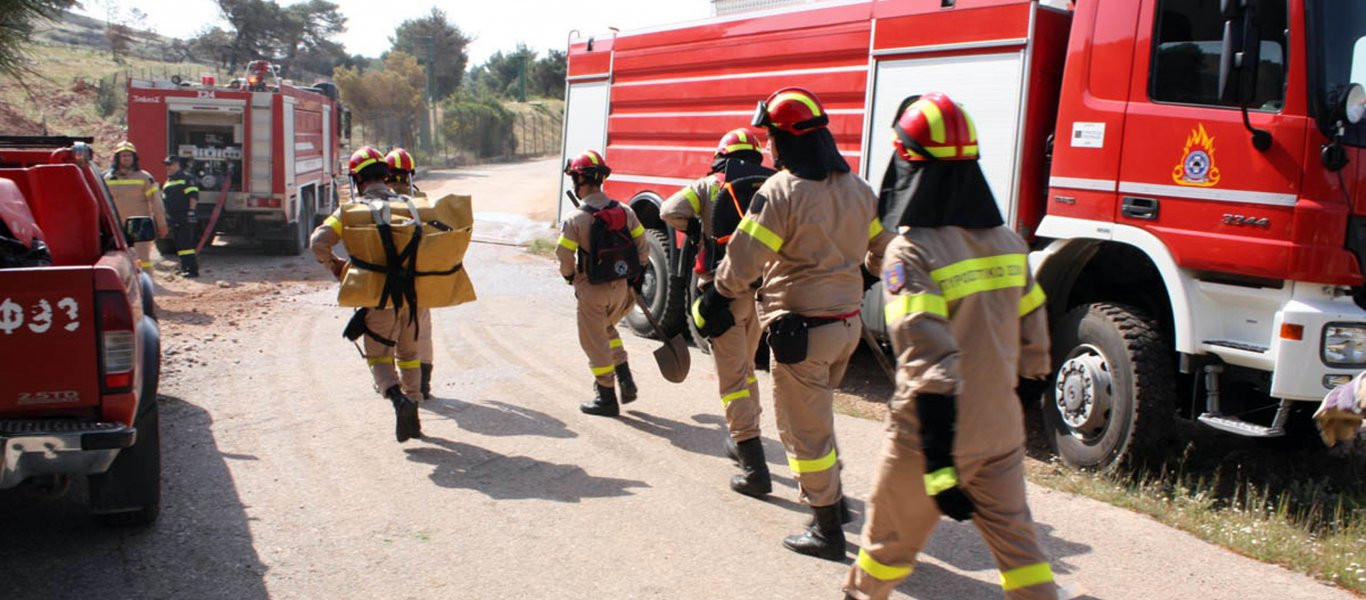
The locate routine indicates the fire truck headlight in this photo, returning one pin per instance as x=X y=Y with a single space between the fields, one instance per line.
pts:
x=1344 y=345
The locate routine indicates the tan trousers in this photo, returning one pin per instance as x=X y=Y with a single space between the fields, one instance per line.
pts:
x=601 y=307
x=804 y=407
x=425 y=351
x=397 y=364
x=901 y=517
x=734 y=356
x=144 y=250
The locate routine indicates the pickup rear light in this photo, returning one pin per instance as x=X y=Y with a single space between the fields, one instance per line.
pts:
x=263 y=203
x=118 y=346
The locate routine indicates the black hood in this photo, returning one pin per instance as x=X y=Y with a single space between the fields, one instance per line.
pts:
x=812 y=156
x=747 y=156
x=936 y=194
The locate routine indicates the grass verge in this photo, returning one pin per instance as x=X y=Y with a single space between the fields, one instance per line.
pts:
x=541 y=247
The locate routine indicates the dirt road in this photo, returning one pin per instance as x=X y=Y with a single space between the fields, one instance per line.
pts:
x=282 y=478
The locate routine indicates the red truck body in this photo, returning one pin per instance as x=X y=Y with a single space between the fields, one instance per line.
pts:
x=271 y=155
x=78 y=337
x=1110 y=145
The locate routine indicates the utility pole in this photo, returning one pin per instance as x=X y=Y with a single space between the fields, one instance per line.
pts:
x=426 y=124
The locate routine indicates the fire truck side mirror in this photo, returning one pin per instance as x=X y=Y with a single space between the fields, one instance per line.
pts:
x=140 y=229
x=1233 y=9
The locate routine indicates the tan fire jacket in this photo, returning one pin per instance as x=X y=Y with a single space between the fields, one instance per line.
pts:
x=136 y=195
x=967 y=319
x=805 y=240
x=574 y=236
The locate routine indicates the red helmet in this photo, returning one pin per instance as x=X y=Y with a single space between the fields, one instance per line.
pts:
x=399 y=160
x=364 y=157
x=932 y=127
x=588 y=163
x=738 y=140
x=794 y=110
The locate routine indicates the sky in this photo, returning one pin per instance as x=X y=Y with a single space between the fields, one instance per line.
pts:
x=495 y=24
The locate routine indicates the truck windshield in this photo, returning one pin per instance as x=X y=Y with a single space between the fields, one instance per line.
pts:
x=1338 y=42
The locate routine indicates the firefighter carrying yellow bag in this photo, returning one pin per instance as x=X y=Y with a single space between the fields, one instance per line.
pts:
x=398 y=262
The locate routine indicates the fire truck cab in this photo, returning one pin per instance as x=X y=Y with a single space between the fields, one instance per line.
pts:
x=1189 y=174
x=266 y=150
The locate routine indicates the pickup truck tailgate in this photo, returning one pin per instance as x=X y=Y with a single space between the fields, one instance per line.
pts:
x=49 y=359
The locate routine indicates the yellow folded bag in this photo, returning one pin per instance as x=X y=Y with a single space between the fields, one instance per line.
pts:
x=447 y=225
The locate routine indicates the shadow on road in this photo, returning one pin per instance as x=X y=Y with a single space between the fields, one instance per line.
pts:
x=498 y=419
x=463 y=466
x=201 y=547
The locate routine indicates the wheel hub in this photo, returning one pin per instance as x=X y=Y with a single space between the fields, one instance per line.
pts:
x=1084 y=391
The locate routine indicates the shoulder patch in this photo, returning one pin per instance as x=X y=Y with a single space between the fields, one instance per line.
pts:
x=756 y=203
x=894 y=278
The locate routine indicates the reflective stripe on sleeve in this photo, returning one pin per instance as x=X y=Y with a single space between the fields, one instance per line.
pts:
x=911 y=304
x=976 y=275
x=380 y=360
x=638 y=231
x=151 y=191
x=752 y=380
x=572 y=245
x=173 y=183
x=733 y=396
x=1033 y=300
x=600 y=371
x=761 y=233
x=874 y=228
x=693 y=200
x=879 y=570
x=409 y=364
x=334 y=223
x=189 y=252
x=615 y=343
x=1027 y=576
x=815 y=465
x=191 y=190
x=940 y=480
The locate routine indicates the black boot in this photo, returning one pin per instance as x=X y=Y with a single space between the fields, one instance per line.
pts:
x=626 y=383
x=406 y=423
x=753 y=479
x=846 y=517
x=604 y=405
x=189 y=266
x=824 y=539
x=732 y=452
x=427 y=379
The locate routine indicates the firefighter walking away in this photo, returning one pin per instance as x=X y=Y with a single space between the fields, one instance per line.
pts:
x=136 y=195
x=807 y=233
x=602 y=253
x=179 y=194
x=968 y=323
x=400 y=180
x=710 y=209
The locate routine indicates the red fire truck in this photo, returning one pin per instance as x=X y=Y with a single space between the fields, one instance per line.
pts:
x=1189 y=172
x=266 y=150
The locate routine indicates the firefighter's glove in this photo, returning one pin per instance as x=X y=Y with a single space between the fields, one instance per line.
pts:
x=711 y=313
x=938 y=414
x=694 y=229
x=869 y=279
x=637 y=283
x=568 y=279
x=1030 y=391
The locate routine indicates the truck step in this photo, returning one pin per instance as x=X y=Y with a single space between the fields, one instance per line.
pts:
x=1240 y=427
x=41 y=426
x=1245 y=347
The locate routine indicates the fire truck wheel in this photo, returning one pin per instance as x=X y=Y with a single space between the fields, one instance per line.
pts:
x=666 y=296
x=1111 y=401
x=697 y=338
x=300 y=230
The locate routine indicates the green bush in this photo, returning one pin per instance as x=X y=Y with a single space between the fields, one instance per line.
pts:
x=480 y=125
x=108 y=100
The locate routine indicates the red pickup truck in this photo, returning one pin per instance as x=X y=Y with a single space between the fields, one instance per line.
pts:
x=80 y=350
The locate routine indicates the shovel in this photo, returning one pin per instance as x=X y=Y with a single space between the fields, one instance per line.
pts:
x=673 y=357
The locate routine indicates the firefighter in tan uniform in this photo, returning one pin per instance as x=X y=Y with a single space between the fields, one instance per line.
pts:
x=602 y=253
x=691 y=209
x=807 y=232
x=136 y=195
x=390 y=342
x=971 y=333
x=400 y=180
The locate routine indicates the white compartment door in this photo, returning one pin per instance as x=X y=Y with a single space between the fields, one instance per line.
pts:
x=990 y=88
x=585 y=126
x=287 y=141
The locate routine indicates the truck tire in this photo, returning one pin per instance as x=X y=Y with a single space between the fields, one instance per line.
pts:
x=129 y=493
x=1112 y=401
x=297 y=233
x=697 y=338
x=666 y=296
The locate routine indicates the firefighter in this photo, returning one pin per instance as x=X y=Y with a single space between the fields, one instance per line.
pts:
x=969 y=326
x=136 y=195
x=179 y=194
x=807 y=233
x=602 y=253
x=691 y=210
x=390 y=344
x=400 y=180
